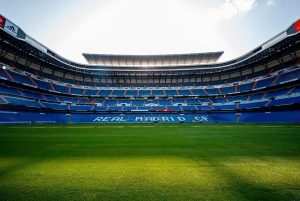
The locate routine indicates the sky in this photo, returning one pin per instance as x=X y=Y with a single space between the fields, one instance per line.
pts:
x=73 y=27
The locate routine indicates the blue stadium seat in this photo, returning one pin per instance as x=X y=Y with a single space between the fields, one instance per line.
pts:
x=43 y=85
x=227 y=90
x=245 y=87
x=61 y=89
x=131 y=93
x=145 y=92
x=21 y=102
x=212 y=91
x=289 y=76
x=55 y=106
x=77 y=91
x=171 y=92
x=104 y=93
x=252 y=105
x=199 y=92
x=264 y=83
x=184 y=92
x=9 y=90
x=158 y=93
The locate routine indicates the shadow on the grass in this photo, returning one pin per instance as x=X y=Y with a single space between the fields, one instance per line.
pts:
x=236 y=185
x=250 y=190
x=19 y=166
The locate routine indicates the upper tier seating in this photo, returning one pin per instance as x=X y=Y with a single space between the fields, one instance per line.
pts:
x=19 y=97
x=242 y=87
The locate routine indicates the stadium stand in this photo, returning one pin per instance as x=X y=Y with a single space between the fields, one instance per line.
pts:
x=38 y=85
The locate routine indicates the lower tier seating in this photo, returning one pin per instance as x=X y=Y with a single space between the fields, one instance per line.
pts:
x=26 y=117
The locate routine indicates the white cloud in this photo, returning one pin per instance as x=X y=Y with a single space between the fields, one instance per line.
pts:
x=231 y=8
x=271 y=2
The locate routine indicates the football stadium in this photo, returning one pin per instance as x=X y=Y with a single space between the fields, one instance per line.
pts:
x=149 y=127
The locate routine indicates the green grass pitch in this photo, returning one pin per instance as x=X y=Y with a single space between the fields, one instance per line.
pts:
x=150 y=162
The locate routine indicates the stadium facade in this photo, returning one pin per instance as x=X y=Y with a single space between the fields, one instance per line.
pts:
x=39 y=86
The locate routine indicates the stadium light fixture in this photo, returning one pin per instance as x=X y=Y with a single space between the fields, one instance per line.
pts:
x=3 y=67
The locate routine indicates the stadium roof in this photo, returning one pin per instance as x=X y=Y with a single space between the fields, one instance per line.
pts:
x=153 y=60
x=17 y=45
